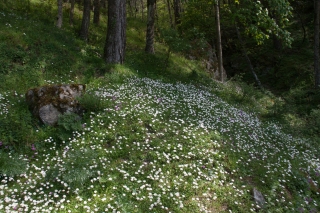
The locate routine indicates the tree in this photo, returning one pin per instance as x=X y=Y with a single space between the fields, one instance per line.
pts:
x=151 y=4
x=261 y=24
x=142 y=14
x=114 y=49
x=177 y=11
x=84 y=31
x=169 y=11
x=60 y=12
x=316 y=43
x=244 y=52
x=104 y=3
x=71 y=12
x=96 y=12
x=219 y=46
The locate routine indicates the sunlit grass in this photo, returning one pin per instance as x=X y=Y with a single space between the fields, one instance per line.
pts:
x=165 y=147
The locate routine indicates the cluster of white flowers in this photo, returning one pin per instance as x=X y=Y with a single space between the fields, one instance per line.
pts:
x=4 y=104
x=158 y=146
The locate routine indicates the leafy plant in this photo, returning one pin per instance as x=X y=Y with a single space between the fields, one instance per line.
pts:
x=77 y=167
x=314 y=121
x=68 y=123
x=90 y=102
x=11 y=164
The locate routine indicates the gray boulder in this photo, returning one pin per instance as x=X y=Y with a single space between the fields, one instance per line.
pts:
x=258 y=197
x=50 y=101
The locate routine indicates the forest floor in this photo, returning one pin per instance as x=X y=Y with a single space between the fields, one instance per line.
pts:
x=156 y=137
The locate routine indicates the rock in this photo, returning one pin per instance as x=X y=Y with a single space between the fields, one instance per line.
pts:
x=50 y=101
x=258 y=197
x=49 y=114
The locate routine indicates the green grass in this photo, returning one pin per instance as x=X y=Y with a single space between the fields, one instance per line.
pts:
x=158 y=135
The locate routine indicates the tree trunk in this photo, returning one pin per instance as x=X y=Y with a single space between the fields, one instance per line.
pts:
x=244 y=52
x=104 y=3
x=316 y=43
x=177 y=10
x=71 y=12
x=170 y=14
x=114 y=50
x=151 y=4
x=142 y=14
x=277 y=42
x=135 y=8
x=131 y=14
x=219 y=46
x=303 y=28
x=96 y=12
x=60 y=12
x=84 y=32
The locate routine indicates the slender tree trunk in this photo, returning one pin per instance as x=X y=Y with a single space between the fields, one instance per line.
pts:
x=142 y=6
x=114 y=50
x=96 y=12
x=130 y=9
x=244 y=52
x=60 y=12
x=104 y=3
x=84 y=32
x=135 y=8
x=170 y=14
x=71 y=12
x=151 y=4
x=219 y=46
x=303 y=28
x=177 y=10
x=316 y=43
x=277 y=43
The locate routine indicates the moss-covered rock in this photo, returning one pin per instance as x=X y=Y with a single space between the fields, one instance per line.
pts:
x=49 y=101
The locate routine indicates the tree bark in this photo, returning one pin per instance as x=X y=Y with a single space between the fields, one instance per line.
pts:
x=151 y=4
x=316 y=43
x=60 y=12
x=244 y=52
x=130 y=8
x=104 y=3
x=114 y=50
x=84 y=32
x=277 y=42
x=170 y=14
x=96 y=12
x=71 y=12
x=135 y=8
x=219 y=46
x=177 y=10
x=142 y=14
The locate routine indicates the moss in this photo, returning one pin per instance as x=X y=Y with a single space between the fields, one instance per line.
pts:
x=51 y=95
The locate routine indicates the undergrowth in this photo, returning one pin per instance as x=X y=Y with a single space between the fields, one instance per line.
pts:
x=157 y=134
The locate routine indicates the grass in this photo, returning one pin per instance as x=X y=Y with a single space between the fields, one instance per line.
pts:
x=154 y=138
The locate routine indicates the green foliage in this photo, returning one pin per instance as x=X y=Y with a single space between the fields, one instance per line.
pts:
x=16 y=125
x=146 y=142
x=262 y=19
x=68 y=123
x=77 y=167
x=175 y=42
x=314 y=122
x=11 y=164
x=198 y=17
x=90 y=102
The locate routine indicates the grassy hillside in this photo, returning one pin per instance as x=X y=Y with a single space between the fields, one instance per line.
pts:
x=158 y=134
